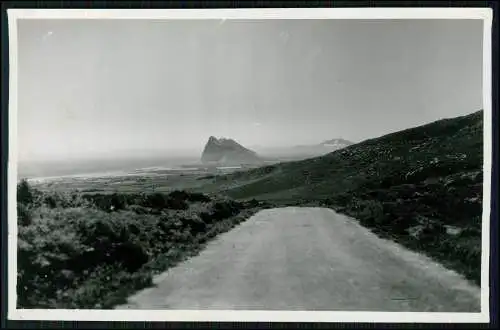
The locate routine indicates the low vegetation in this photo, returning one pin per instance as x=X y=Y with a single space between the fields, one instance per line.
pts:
x=421 y=186
x=92 y=250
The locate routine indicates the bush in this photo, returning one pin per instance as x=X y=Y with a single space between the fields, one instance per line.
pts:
x=139 y=209
x=76 y=251
x=24 y=192
x=24 y=215
x=195 y=223
x=369 y=211
x=188 y=196
x=206 y=177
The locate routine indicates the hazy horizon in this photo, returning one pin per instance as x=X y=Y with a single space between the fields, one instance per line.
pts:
x=120 y=88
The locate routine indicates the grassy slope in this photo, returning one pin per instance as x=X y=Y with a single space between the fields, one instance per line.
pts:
x=421 y=186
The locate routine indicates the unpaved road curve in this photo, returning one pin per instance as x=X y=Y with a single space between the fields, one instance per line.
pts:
x=307 y=259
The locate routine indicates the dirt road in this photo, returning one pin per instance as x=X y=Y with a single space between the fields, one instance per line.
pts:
x=307 y=259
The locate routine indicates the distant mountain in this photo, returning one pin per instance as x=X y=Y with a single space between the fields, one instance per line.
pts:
x=227 y=152
x=305 y=151
x=336 y=143
x=323 y=147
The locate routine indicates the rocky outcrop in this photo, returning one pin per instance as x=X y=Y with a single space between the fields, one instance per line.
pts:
x=227 y=152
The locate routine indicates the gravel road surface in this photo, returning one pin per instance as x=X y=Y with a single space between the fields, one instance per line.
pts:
x=307 y=259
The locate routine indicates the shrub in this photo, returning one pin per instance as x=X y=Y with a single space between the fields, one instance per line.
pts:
x=369 y=211
x=75 y=252
x=24 y=192
x=156 y=200
x=139 y=209
x=24 y=215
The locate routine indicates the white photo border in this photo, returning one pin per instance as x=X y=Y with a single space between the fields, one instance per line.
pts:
x=484 y=14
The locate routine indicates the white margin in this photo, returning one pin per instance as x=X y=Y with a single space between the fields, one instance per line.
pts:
x=487 y=165
x=268 y=13
x=484 y=14
x=12 y=167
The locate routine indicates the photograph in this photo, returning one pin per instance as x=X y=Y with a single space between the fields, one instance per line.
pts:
x=250 y=164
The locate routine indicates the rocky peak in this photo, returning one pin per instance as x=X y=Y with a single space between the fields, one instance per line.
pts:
x=225 y=150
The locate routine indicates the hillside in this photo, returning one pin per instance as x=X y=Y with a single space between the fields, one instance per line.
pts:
x=421 y=186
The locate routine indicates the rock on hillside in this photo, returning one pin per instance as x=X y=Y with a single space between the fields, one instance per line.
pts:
x=227 y=152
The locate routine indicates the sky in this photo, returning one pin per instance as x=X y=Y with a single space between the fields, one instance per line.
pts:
x=101 y=88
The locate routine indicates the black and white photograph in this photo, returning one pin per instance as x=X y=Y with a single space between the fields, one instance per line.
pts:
x=250 y=164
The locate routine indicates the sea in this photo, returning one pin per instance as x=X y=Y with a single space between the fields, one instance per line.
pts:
x=57 y=169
